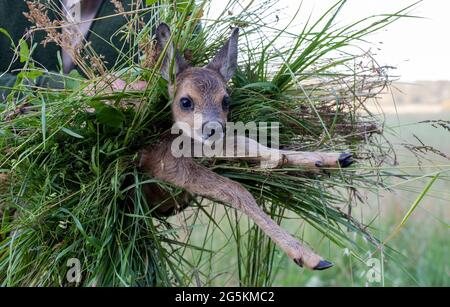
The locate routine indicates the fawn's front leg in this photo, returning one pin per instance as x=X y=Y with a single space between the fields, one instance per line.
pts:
x=246 y=148
x=196 y=179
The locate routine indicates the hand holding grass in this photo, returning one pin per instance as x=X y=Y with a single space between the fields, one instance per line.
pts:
x=112 y=84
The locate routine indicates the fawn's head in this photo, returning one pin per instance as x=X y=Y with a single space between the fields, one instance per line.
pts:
x=200 y=100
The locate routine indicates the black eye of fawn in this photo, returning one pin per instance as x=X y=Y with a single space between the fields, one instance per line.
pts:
x=226 y=103
x=186 y=104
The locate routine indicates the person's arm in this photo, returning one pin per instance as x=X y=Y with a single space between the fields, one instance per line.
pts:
x=7 y=82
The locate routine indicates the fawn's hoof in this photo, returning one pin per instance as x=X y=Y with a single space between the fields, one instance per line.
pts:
x=345 y=160
x=323 y=265
x=299 y=262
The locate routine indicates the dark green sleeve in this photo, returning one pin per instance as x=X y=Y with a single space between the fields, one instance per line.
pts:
x=7 y=82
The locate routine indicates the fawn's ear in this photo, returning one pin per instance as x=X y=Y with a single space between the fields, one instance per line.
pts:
x=172 y=59
x=225 y=62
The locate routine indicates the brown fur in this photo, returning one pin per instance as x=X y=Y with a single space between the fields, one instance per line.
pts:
x=206 y=88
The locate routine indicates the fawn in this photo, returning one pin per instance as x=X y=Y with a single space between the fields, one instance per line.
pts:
x=202 y=91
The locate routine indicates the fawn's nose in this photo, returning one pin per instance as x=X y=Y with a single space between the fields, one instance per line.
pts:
x=212 y=130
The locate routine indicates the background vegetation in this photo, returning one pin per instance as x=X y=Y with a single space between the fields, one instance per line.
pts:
x=71 y=170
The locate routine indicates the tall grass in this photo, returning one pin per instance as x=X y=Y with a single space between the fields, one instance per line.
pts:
x=74 y=191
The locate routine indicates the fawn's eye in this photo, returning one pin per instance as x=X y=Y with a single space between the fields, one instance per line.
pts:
x=186 y=104
x=226 y=103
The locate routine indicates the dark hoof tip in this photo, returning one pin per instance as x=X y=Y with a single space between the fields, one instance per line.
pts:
x=345 y=160
x=323 y=265
x=299 y=262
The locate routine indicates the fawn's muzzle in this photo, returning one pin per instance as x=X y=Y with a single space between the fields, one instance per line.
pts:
x=212 y=131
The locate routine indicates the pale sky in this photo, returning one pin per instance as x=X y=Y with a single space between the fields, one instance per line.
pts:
x=419 y=48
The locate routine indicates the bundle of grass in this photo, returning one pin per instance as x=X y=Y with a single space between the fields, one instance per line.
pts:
x=74 y=194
